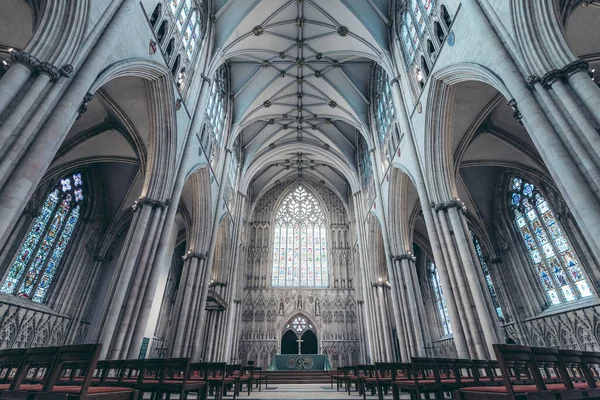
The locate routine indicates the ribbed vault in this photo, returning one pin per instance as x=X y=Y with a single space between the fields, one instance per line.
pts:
x=300 y=78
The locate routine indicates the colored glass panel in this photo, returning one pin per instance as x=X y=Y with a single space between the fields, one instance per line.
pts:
x=440 y=299
x=487 y=276
x=29 y=245
x=556 y=264
x=174 y=5
x=418 y=15
x=40 y=254
x=44 y=250
x=305 y=254
x=57 y=255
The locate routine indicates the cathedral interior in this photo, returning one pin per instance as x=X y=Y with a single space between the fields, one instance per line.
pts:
x=231 y=180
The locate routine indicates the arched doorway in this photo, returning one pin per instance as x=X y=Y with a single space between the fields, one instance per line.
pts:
x=289 y=343
x=299 y=337
x=308 y=344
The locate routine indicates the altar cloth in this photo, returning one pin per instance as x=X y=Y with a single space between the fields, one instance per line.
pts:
x=293 y=362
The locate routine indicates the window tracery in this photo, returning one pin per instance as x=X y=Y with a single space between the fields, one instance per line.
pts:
x=34 y=267
x=550 y=252
x=416 y=28
x=181 y=51
x=300 y=242
x=440 y=299
x=488 y=278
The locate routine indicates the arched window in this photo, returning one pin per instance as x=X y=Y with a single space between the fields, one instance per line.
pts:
x=189 y=25
x=549 y=249
x=440 y=300
x=300 y=242
x=38 y=258
x=487 y=277
x=216 y=107
x=385 y=113
x=415 y=27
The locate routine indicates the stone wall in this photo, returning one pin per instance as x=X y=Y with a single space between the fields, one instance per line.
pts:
x=32 y=325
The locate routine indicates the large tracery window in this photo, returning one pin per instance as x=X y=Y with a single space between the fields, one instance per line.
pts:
x=38 y=258
x=216 y=107
x=555 y=262
x=440 y=300
x=384 y=106
x=300 y=242
x=487 y=277
x=189 y=24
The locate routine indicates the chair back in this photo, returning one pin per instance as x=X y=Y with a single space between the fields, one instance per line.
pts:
x=577 y=369
x=592 y=361
x=385 y=371
x=198 y=371
x=177 y=369
x=517 y=365
x=10 y=359
x=36 y=366
x=215 y=371
x=425 y=369
x=132 y=371
x=486 y=370
x=350 y=371
x=74 y=365
x=234 y=369
x=110 y=372
x=465 y=370
x=550 y=366
x=366 y=371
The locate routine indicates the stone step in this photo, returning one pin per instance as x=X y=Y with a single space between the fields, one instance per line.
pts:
x=298 y=377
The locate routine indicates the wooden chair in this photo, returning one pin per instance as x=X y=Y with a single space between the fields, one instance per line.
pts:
x=366 y=379
x=260 y=377
x=520 y=367
x=69 y=373
x=176 y=379
x=350 y=377
x=10 y=360
x=385 y=375
x=337 y=376
x=425 y=379
x=246 y=377
x=217 y=379
x=579 y=371
x=233 y=371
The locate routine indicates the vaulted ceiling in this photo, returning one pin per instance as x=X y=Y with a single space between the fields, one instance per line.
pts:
x=300 y=72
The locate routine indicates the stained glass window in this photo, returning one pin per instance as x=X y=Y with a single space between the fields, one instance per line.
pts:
x=384 y=106
x=216 y=107
x=555 y=262
x=414 y=26
x=189 y=25
x=34 y=267
x=300 y=242
x=487 y=277
x=299 y=324
x=440 y=299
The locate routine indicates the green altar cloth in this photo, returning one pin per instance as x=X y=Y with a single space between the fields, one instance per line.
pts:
x=292 y=362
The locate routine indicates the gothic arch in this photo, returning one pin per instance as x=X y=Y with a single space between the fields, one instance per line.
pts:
x=162 y=145
x=443 y=91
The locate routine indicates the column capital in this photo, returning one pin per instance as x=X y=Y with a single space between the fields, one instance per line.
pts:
x=142 y=201
x=40 y=67
x=455 y=203
x=380 y=282
x=193 y=254
x=406 y=256
x=558 y=74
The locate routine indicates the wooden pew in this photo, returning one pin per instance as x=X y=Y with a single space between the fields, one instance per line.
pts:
x=217 y=379
x=521 y=368
x=10 y=360
x=65 y=372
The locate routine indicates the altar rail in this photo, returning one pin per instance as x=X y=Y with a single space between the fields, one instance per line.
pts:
x=25 y=324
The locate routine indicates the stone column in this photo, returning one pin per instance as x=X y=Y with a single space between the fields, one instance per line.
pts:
x=25 y=173
x=403 y=326
x=413 y=304
x=434 y=233
x=136 y=263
